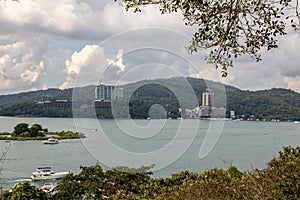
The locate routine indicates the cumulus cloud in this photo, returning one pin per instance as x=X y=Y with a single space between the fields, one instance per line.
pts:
x=22 y=65
x=78 y=19
x=88 y=60
x=78 y=24
x=89 y=65
x=293 y=82
x=118 y=61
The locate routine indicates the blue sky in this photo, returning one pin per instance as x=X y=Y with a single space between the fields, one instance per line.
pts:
x=67 y=43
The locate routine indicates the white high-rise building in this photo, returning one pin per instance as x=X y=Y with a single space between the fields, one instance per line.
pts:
x=207 y=98
x=117 y=93
x=207 y=109
x=108 y=93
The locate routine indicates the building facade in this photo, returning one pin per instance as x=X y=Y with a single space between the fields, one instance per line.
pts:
x=207 y=108
x=60 y=104
x=108 y=93
x=207 y=98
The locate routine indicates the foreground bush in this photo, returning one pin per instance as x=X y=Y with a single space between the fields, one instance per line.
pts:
x=280 y=180
x=24 y=191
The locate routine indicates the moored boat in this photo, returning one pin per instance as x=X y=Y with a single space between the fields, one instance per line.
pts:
x=51 y=141
x=46 y=173
x=47 y=187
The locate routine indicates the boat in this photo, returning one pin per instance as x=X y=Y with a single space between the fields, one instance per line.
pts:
x=47 y=187
x=51 y=141
x=46 y=173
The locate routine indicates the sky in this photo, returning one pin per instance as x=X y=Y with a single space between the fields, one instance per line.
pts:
x=70 y=43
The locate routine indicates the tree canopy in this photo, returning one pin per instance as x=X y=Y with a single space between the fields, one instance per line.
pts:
x=228 y=28
x=279 y=180
x=23 y=130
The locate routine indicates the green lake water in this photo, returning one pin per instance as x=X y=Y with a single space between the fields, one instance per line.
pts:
x=172 y=145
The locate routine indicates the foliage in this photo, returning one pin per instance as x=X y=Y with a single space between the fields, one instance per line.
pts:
x=23 y=130
x=279 y=104
x=13 y=99
x=280 y=180
x=20 y=128
x=88 y=184
x=270 y=104
x=285 y=171
x=4 y=133
x=93 y=183
x=25 y=191
x=37 y=132
x=228 y=29
x=66 y=135
x=31 y=109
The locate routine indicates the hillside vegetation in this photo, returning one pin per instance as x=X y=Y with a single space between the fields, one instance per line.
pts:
x=173 y=93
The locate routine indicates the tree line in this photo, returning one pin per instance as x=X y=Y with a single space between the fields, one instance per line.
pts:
x=281 y=104
x=23 y=131
x=279 y=180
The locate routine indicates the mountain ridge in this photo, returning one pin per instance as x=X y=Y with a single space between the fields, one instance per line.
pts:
x=274 y=103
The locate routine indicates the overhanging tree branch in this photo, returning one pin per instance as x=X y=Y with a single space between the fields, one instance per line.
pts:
x=228 y=28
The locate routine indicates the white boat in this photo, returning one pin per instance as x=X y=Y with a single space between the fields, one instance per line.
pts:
x=51 y=141
x=46 y=173
x=48 y=187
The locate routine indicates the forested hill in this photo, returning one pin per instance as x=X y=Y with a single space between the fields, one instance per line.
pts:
x=279 y=104
x=275 y=103
x=24 y=97
x=7 y=101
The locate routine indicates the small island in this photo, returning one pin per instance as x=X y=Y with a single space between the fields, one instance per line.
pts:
x=22 y=131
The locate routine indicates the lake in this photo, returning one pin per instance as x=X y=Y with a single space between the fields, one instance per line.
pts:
x=172 y=145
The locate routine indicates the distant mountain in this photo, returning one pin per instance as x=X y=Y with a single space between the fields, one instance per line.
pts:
x=170 y=93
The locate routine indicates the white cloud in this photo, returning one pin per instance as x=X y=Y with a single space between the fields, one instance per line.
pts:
x=210 y=73
x=79 y=19
x=84 y=64
x=293 y=82
x=118 y=61
x=89 y=65
x=21 y=65
x=86 y=22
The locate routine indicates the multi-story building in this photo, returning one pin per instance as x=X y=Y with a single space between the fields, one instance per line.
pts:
x=105 y=94
x=108 y=93
x=207 y=109
x=207 y=103
x=207 y=98
x=60 y=104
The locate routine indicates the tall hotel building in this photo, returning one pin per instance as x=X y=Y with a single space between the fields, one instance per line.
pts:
x=105 y=94
x=207 y=98
x=207 y=103
x=108 y=93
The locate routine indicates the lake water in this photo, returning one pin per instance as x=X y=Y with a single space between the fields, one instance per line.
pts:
x=172 y=145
